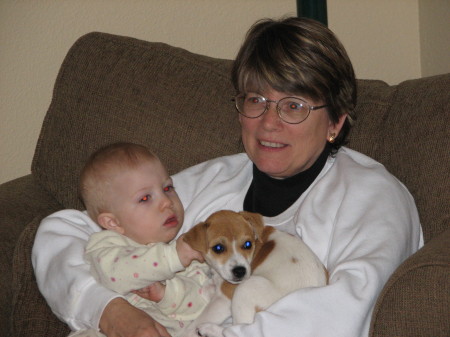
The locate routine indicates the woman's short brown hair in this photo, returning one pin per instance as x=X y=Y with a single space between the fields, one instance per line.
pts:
x=298 y=56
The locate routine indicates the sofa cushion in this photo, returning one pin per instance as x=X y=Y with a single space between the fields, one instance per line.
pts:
x=405 y=127
x=113 y=88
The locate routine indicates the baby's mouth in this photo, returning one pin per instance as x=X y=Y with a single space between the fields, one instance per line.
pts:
x=171 y=221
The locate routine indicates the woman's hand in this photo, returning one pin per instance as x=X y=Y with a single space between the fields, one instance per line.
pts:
x=121 y=319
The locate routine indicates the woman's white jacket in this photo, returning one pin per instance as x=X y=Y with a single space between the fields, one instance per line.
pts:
x=359 y=220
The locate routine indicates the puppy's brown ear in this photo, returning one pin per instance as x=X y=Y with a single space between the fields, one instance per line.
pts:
x=257 y=222
x=196 y=237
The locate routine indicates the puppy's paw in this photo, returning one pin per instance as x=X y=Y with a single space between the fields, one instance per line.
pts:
x=210 y=330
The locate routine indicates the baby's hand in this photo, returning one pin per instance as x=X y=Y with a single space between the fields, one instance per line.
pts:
x=154 y=292
x=186 y=254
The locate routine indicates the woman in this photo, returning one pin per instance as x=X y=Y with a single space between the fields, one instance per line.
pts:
x=295 y=97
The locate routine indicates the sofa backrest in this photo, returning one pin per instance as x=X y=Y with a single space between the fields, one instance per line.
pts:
x=405 y=127
x=112 y=88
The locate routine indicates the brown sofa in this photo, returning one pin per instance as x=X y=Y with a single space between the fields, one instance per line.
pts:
x=113 y=88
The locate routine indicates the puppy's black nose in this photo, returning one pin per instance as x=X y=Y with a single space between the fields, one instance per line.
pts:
x=239 y=272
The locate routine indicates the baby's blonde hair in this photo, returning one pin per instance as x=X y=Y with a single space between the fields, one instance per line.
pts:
x=100 y=169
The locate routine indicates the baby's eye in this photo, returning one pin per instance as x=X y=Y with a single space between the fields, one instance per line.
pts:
x=169 y=188
x=145 y=198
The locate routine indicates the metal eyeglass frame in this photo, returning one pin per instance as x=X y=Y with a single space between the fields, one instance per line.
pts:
x=268 y=101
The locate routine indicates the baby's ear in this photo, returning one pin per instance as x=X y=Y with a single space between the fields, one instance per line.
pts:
x=196 y=237
x=109 y=221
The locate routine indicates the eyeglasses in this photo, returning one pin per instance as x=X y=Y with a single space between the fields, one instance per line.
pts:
x=292 y=110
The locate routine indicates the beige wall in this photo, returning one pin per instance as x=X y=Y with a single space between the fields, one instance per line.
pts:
x=394 y=40
x=383 y=37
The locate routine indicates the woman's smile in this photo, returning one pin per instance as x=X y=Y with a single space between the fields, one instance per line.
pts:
x=272 y=144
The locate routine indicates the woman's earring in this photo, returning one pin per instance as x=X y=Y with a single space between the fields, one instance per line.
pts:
x=332 y=138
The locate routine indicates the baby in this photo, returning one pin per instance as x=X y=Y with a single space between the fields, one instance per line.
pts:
x=127 y=191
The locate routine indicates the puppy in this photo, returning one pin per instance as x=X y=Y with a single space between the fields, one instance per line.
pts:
x=253 y=266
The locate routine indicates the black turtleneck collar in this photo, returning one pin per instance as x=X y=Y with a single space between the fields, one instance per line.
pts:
x=270 y=197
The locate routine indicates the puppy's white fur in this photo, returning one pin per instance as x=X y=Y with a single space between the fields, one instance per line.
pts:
x=253 y=265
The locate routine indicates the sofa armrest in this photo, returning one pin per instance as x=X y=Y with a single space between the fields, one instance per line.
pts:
x=416 y=299
x=31 y=316
x=21 y=200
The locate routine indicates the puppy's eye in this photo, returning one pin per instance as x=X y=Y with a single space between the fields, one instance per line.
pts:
x=247 y=245
x=218 y=249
